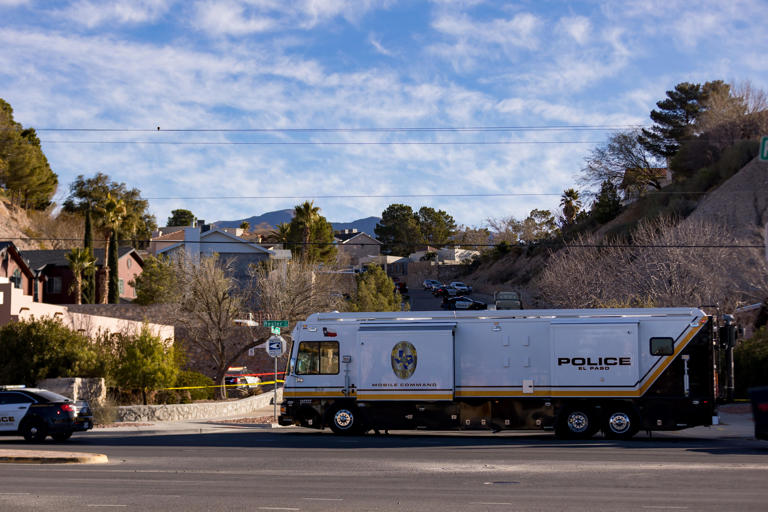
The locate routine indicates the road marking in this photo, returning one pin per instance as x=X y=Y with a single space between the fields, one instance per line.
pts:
x=487 y=503
x=14 y=494
x=278 y=508
x=323 y=499
x=665 y=507
x=104 y=505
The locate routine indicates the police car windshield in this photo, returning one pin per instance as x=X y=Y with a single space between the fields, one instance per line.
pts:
x=51 y=396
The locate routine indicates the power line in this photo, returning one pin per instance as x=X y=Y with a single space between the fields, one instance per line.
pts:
x=322 y=143
x=377 y=196
x=352 y=129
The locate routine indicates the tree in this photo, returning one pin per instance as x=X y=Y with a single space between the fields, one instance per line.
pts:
x=210 y=301
x=92 y=193
x=80 y=261
x=607 y=204
x=89 y=275
x=436 y=226
x=473 y=238
x=245 y=226
x=376 y=291
x=157 y=282
x=673 y=121
x=304 y=217
x=112 y=212
x=624 y=162
x=570 y=205
x=24 y=169
x=539 y=224
x=181 y=217
x=311 y=235
x=280 y=233
x=114 y=279
x=398 y=230
x=146 y=363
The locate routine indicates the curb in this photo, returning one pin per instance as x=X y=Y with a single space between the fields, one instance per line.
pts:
x=208 y=429
x=50 y=457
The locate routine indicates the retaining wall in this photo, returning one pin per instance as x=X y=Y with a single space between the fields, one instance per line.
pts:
x=199 y=411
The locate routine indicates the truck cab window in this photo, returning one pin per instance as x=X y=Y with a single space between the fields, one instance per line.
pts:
x=318 y=358
x=662 y=346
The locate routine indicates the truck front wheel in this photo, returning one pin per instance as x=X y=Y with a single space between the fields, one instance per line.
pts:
x=344 y=420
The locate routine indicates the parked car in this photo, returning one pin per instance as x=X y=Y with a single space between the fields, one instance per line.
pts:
x=760 y=411
x=445 y=291
x=463 y=289
x=507 y=300
x=463 y=302
x=239 y=383
x=37 y=413
x=430 y=284
x=401 y=287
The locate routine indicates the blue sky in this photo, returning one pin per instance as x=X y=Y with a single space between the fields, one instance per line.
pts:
x=362 y=64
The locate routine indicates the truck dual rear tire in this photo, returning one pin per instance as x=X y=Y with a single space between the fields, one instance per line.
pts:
x=576 y=423
x=620 y=424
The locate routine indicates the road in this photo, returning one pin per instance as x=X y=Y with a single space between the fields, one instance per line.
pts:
x=298 y=469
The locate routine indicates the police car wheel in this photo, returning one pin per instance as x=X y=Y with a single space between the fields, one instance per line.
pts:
x=620 y=424
x=33 y=431
x=344 y=421
x=61 y=436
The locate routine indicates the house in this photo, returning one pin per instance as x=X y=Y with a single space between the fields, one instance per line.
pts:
x=54 y=267
x=456 y=255
x=203 y=240
x=356 y=246
x=21 y=276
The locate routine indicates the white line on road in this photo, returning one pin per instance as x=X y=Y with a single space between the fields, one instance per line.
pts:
x=665 y=507
x=278 y=508
x=487 y=503
x=323 y=499
x=104 y=505
x=14 y=494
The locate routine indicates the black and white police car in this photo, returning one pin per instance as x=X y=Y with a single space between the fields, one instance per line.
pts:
x=36 y=413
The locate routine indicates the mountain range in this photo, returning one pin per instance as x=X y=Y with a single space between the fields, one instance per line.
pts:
x=271 y=219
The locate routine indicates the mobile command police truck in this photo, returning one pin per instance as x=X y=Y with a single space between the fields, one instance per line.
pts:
x=574 y=371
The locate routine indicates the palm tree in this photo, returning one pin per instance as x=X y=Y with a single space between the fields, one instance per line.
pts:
x=306 y=214
x=111 y=214
x=80 y=260
x=279 y=235
x=571 y=205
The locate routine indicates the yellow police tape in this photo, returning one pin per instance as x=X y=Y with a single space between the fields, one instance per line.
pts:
x=249 y=385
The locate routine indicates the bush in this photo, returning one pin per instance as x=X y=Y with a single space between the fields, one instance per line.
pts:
x=145 y=363
x=751 y=361
x=42 y=349
x=189 y=378
x=104 y=413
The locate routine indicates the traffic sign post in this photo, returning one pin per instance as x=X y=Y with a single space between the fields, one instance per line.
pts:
x=764 y=149
x=275 y=348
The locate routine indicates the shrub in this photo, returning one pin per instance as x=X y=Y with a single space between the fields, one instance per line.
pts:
x=146 y=363
x=41 y=349
x=186 y=378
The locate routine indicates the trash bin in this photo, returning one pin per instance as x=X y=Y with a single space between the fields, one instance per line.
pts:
x=760 y=411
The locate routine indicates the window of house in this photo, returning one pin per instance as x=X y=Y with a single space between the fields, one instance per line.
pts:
x=121 y=286
x=53 y=285
x=16 y=278
x=129 y=263
x=318 y=358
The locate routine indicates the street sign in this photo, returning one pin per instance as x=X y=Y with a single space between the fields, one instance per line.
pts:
x=764 y=149
x=275 y=323
x=275 y=346
x=274 y=330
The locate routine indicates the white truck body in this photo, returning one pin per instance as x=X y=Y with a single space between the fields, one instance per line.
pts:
x=496 y=368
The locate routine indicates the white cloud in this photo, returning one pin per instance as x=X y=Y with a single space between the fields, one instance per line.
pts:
x=378 y=46
x=95 y=13
x=578 y=27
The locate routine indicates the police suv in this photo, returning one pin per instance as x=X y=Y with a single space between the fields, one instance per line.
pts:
x=36 y=413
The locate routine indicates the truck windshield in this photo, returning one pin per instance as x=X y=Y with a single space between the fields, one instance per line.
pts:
x=318 y=358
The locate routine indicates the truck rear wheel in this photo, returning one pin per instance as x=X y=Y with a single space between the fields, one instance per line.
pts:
x=576 y=423
x=345 y=421
x=620 y=424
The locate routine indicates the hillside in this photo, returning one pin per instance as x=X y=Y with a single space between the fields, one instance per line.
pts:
x=740 y=203
x=14 y=224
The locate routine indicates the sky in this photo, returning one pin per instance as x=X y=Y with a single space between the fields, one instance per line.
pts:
x=262 y=104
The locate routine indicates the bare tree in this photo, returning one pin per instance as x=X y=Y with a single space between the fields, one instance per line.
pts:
x=624 y=162
x=666 y=263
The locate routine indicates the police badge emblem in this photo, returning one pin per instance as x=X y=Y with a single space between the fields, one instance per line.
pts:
x=404 y=359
